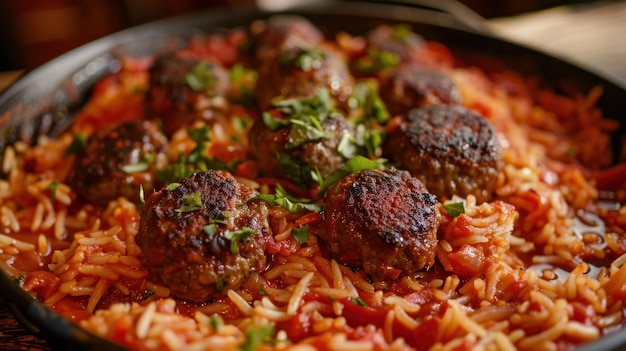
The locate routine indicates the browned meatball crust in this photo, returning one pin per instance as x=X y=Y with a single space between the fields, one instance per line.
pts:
x=301 y=72
x=282 y=32
x=295 y=62
x=118 y=161
x=453 y=150
x=202 y=236
x=269 y=148
x=410 y=86
x=183 y=90
x=383 y=220
x=399 y=40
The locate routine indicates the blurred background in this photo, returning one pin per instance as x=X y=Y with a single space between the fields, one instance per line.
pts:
x=34 y=31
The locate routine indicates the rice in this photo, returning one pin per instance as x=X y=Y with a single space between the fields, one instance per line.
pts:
x=516 y=272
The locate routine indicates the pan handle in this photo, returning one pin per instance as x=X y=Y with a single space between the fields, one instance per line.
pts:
x=461 y=13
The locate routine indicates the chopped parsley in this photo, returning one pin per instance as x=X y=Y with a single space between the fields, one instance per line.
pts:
x=78 y=144
x=192 y=203
x=358 y=301
x=172 y=186
x=142 y=165
x=142 y=195
x=402 y=32
x=216 y=321
x=256 y=335
x=210 y=229
x=454 y=209
x=376 y=60
x=306 y=117
x=347 y=146
x=243 y=81
x=305 y=59
x=300 y=234
x=196 y=160
x=367 y=100
x=353 y=165
x=295 y=171
x=220 y=284
x=200 y=78
x=285 y=200
x=52 y=187
x=242 y=235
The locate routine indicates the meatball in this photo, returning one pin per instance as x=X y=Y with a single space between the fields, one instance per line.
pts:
x=118 y=160
x=409 y=86
x=282 y=32
x=183 y=90
x=383 y=220
x=399 y=39
x=302 y=71
x=453 y=150
x=203 y=235
x=294 y=61
x=277 y=158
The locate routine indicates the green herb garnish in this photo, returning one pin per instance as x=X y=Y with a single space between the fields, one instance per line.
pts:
x=257 y=335
x=300 y=234
x=243 y=81
x=78 y=144
x=454 y=209
x=377 y=60
x=305 y=59
x=242 y=235
x=201 y=77
x=358 y=301
x=192 y=203
x=52 y=187
x=356 y=164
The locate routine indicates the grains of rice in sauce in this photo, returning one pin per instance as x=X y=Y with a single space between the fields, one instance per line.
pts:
x=514 y=272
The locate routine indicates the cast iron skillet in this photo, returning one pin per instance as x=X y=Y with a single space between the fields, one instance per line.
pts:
x=43 y=101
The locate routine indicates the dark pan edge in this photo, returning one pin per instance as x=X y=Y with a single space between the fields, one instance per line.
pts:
x=64 y=334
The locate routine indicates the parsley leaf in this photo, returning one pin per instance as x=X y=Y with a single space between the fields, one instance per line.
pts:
x=242 y=235
x=402 y=32
x=367 y=99
x=216 y=321
x=358 y=301
x=305 y=59
x=172 y=186
x=257 y=335
x=243 y=81
x=306 y=117
x=53 y=190
x=347 y=146
x=294 y=170
x=283 y=199
x=454 y=209
x=376 y=60
x=196 y=160
x=301 y=234
x=200 y=78
x=78 y=144
x=353 y=165
x=210 y=229
x=192 y=203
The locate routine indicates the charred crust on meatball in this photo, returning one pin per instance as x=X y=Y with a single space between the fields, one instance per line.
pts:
x=384 y=221
x=411 y=86
x=117 y=161
x=453 y=150
x=188 y=230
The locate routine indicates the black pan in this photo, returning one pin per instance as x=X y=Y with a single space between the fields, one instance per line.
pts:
x=43 y=101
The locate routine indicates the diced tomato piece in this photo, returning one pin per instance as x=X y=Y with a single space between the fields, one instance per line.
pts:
x=467 y=261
